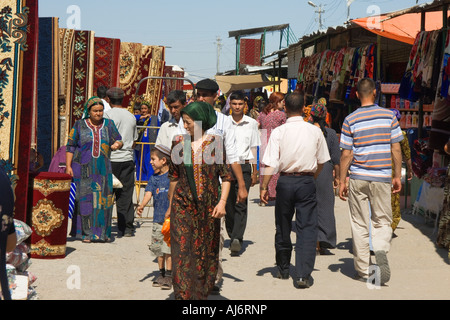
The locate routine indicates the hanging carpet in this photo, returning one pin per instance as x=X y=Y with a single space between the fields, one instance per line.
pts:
x=48 y=90
x=18 y=86
x=106 y=63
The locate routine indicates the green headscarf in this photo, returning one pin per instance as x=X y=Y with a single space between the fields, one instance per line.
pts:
x=89 y=104
x=200 y=112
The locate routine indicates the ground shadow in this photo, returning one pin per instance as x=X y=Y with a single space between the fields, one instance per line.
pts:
x=245 y=245
x=428 y=229
x=152 y=275
x=346 y=267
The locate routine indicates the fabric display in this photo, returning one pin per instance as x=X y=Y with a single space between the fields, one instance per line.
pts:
x=17 y=264
x=49 y=220
x=440 y=125
x=171 y=85
x=48 y=89
x=136 y=63
x=250 y=52
x=336 y=72
x=421 y=75
x=82 y=80
x=66 y=38
x=106 y=63
x=18 y=85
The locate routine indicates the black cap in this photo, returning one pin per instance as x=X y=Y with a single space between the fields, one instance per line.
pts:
x=208 y=85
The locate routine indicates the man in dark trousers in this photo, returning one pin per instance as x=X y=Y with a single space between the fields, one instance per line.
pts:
x=122 y=161
x=298 y=151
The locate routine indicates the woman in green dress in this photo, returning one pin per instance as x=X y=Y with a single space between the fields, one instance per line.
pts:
x=197 y=205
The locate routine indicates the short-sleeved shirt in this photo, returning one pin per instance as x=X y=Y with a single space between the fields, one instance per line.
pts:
x=159 y=185
x=247 y=137
x=296 y=147
x=126 y=125
x=223 y=128
x=370 y=132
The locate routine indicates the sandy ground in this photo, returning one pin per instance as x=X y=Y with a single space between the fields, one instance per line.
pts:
x=124 y=269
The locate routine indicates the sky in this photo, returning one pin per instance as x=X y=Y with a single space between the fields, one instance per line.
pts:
x=190 y=29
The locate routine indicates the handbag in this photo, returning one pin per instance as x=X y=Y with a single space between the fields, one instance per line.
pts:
x=166 y=231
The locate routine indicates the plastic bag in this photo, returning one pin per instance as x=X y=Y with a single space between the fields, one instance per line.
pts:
x=23 y=231
x=166 y=231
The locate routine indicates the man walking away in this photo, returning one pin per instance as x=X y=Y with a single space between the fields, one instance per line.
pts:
x=122 y=161
x=298 y=150
x=370 y=140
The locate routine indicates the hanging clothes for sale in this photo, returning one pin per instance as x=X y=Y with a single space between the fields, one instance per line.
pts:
x=422 y=71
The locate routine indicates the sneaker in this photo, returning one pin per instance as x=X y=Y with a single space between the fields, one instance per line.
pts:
x=166 y=283
x=158 y=281
x=382 y=262
x=235 y=247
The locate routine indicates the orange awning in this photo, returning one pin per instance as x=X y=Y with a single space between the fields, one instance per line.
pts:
x=403 y=27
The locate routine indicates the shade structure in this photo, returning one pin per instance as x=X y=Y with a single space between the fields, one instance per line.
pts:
x=244 y=82
x=402 y=27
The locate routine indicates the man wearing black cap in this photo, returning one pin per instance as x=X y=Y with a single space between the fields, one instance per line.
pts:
x=122 y=161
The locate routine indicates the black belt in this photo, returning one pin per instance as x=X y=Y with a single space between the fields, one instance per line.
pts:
x=297 y=174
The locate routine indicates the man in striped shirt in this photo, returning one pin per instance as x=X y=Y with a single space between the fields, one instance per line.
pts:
x=370 y=139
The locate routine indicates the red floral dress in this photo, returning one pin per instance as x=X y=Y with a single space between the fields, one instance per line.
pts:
x=268 y=123
x=195 y=234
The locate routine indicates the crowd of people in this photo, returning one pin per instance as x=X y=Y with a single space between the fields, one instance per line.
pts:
x=206 y=158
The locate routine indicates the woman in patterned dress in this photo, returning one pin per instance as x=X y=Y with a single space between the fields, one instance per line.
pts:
x=88 y=161
x=197 y=205
x=270 y=118
x=443 y=238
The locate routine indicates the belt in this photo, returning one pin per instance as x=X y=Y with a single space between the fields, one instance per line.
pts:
x=297 y=174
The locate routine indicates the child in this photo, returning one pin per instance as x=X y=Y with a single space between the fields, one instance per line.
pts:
x=158 y=187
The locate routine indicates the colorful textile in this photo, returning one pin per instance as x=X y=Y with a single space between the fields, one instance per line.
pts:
x=395 y=197
x=138 y=62
x=172 y=85
x=18 y=99
x=250 y=52
x=422 y=70
x=93 y=176
x=440 y=132
x=370 y=131
x=106 y=63
x=49 y=217
x=82 y=86
x=195 y=234
x=443 y=237
x=66 y=37
x=48 y=90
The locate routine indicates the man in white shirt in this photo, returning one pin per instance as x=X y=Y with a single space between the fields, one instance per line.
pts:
x=122 y=161
x=176 y=100
x=247 y=142
x=298 y=151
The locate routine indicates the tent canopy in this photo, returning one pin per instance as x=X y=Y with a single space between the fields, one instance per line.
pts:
x=401 y=27
x=243 y=82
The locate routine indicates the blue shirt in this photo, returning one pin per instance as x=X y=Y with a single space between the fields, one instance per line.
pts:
x=159 y=185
